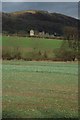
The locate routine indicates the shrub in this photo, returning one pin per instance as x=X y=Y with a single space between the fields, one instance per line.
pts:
x=65 y=53
x=45 y=55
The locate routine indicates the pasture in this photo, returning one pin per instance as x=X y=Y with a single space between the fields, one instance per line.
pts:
x=31 y=42
x=40 y=89
x=29 y=48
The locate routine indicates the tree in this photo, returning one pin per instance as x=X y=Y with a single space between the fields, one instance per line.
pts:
x=71 y=35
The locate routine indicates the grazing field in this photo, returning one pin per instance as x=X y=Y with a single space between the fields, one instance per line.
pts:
x=29 y=48
x=31 y=42
x=40 y=89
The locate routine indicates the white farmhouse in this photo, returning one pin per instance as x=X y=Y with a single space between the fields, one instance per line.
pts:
x=31 y=32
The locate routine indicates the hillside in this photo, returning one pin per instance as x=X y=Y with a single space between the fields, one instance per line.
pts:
x=37 y=20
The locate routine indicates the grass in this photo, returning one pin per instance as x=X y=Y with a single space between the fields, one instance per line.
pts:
x=40 y=89
x=30 y=48
x=38 y=43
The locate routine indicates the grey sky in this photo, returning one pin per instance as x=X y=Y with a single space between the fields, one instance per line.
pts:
x=67 y=8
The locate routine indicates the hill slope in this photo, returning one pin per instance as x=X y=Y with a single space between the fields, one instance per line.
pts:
x=37 y=20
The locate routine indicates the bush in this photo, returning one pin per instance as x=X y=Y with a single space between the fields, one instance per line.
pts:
x=65 y=53
x=45 y=56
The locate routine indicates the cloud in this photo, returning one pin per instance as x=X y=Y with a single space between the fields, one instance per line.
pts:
x=13 y=0
x=40 y=0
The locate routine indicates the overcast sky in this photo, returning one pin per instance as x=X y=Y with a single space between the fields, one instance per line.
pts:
x=39 y=0
x=67 y=8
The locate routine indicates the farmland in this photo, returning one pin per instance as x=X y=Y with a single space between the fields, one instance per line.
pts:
x=27 y=42
x=29 y=48
x=39 y=71
x=37 y=89
x=34 y=89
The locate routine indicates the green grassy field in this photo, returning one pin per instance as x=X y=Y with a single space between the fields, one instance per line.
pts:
x=39 y=43
x=30 y=47
x=40 y=89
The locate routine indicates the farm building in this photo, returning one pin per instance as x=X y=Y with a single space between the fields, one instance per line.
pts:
x=43 y=34
x=31 y=32
x=36 y=33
